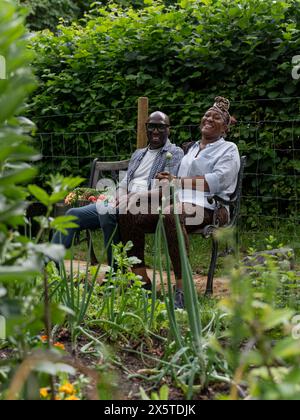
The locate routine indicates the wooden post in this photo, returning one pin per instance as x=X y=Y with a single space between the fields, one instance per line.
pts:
x=143 y=109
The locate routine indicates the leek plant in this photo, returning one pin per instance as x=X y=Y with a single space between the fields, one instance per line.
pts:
x=193 y=365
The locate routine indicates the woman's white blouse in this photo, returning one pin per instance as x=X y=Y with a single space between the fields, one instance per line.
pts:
x=219 y=163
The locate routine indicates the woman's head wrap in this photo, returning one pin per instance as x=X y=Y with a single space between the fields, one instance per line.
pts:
x=222 y=106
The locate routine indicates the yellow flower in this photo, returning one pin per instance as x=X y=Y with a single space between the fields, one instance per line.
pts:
x=44 y=392
x=72 y=398
x=67 y=388
x=70 y=197
x=59 y=346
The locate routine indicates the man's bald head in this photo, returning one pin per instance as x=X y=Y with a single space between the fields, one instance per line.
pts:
x=158 y=129
x=159 y=118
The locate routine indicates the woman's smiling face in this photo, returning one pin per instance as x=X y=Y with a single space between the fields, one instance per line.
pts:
x=213 y=125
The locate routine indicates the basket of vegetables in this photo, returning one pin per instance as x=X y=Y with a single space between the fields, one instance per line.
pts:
x=84 y=196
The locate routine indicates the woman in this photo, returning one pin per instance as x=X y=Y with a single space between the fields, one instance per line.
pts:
x=210 y=167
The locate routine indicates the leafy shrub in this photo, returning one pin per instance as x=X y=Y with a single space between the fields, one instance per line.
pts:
x=263 y=341
x=16 y=149
x=18 y=267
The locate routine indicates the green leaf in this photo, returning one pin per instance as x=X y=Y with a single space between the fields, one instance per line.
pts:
x=62 y=223
x=17 y=273
x=52 y=251
x=40 y=194
x=273 y=95
x=276 y=318
x=164 y=393
x=54 y=369
x=143 y=394
x=287 y=348
x=18 y=176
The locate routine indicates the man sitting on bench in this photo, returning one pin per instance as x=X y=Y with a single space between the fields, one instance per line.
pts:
x=160 y=155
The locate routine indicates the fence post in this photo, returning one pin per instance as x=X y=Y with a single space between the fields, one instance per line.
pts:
x=143 y=109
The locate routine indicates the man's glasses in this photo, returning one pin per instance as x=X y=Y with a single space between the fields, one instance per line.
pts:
x=160 y=127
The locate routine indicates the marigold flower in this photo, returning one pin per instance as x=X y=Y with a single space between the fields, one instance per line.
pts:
x=44 y=338
x=72 y=398
x=59 y=346
x=67 y=388
x=44 y=392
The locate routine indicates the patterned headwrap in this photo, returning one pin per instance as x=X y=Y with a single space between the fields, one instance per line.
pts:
x=222 y=106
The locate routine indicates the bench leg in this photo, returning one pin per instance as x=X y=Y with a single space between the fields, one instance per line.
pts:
x=212 y=267
x=90 y=244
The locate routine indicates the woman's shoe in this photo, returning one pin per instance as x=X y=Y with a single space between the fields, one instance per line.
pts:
x=179 y=299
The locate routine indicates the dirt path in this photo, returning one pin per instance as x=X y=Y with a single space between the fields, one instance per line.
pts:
x=221 y=285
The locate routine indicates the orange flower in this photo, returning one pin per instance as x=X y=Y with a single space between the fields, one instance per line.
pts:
x=67 y=388
x=44 y=392
x=44 y=338
x=72 y=398
x=59 y=346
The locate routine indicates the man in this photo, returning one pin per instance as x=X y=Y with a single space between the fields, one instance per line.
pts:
x=160 y=155
x=209 y=167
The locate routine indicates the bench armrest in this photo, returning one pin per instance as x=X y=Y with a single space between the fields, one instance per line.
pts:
x=217 y=200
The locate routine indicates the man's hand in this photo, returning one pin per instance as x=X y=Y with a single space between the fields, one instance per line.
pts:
x=165 y=176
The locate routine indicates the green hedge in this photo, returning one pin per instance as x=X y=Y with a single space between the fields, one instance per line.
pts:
x=180 y=56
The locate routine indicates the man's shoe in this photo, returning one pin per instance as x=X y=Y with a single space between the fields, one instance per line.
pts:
x=179 y=299
x=147 y=286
